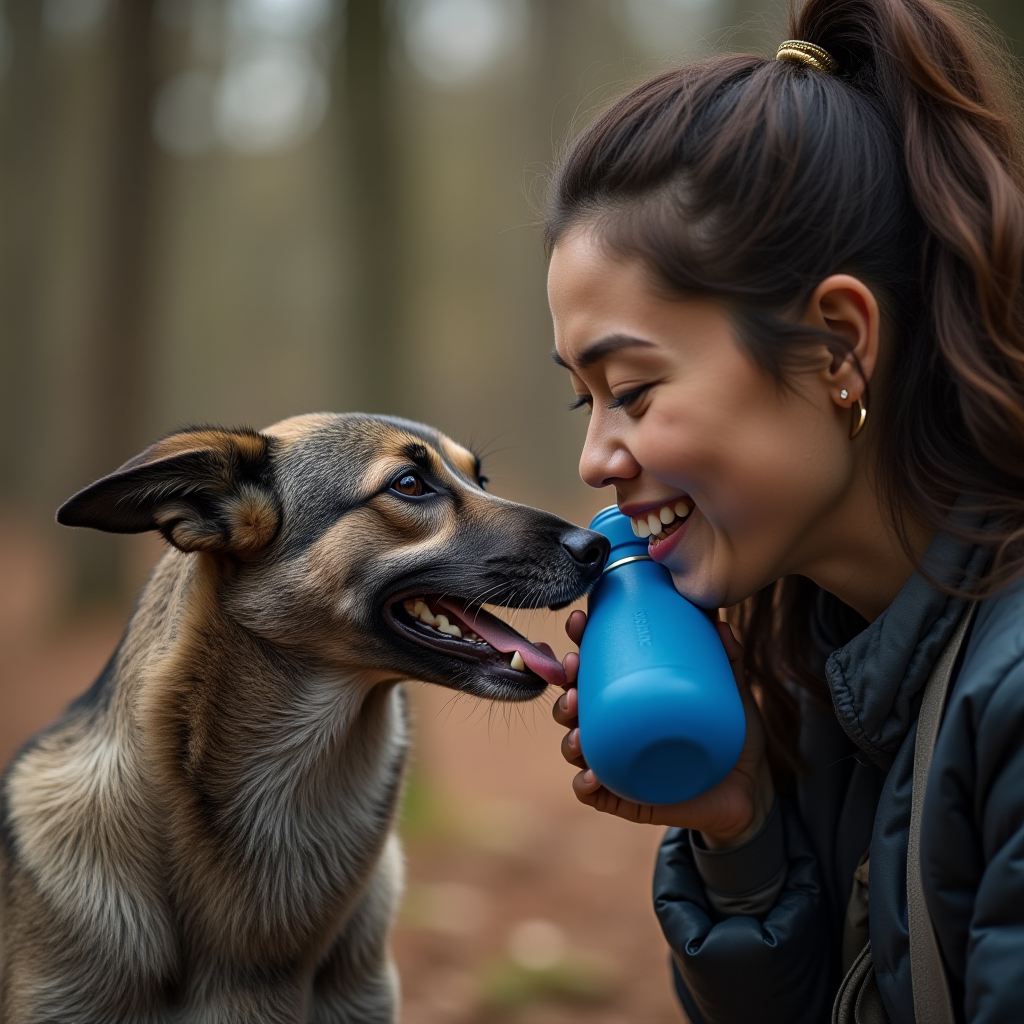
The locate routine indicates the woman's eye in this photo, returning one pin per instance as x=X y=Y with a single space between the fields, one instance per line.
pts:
x=410 y=485
x=581 y=401
x=628 y=398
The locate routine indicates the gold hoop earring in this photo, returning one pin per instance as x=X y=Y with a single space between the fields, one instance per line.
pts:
x=858 y=418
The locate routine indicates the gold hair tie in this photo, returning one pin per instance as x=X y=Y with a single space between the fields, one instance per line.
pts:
x=796 y=51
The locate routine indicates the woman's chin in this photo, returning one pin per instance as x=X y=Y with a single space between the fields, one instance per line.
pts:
x=698 y=589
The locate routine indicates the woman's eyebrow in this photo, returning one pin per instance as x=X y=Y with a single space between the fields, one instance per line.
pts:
x=597 y=350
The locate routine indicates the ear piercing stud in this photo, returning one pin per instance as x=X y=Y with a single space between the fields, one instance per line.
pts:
x=844 y=394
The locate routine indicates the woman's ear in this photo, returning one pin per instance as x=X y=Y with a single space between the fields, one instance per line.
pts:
x=846 y=306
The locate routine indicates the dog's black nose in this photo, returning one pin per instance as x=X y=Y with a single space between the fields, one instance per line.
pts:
x=587 y=548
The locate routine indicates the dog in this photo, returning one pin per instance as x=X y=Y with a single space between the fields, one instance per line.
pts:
x=208 y=833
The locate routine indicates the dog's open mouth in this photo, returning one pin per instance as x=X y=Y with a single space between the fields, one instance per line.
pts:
x=470 y=633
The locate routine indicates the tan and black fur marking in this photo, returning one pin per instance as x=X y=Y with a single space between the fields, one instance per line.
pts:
x=207 y=834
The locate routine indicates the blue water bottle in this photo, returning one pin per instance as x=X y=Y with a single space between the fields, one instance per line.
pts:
x=660 y=717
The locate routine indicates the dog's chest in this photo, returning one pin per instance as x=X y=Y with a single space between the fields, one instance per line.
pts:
x=304 y=828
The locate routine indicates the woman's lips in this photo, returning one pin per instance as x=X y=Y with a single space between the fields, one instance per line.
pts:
x=660 y=549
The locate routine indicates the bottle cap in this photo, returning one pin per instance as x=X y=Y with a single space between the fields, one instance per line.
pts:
x=619 y=530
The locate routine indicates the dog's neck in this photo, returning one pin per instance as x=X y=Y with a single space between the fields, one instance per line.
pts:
x=261 y=740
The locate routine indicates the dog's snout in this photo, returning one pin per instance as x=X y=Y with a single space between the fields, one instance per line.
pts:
x=588 y=549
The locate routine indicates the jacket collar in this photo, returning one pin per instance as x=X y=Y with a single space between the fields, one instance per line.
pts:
x=877 y=679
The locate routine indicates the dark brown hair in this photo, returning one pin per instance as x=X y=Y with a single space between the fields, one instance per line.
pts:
x=752 y=180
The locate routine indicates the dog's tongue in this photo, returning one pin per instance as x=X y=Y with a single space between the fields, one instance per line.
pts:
x=539 y=658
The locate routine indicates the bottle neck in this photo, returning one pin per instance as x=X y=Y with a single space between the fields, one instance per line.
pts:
x=626 y=561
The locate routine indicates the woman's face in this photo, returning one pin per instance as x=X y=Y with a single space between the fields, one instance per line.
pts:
x=752 y=477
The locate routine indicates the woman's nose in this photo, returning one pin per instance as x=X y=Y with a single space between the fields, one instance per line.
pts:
x=605 y=459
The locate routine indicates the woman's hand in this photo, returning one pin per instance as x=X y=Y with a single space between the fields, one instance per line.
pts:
x=727 y=815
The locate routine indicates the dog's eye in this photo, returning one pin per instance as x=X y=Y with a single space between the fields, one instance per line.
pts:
x=483 y=481
x=410 y=485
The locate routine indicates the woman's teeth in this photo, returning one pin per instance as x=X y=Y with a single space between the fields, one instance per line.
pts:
x=654 y=523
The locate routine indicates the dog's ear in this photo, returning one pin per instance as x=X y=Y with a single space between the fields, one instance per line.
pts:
x=204 y=489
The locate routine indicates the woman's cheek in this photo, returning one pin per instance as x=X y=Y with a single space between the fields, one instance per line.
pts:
x=672 y=455
x=736 y=536
x=714 y=565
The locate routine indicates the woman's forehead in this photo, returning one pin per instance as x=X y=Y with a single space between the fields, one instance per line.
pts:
x=603 y=305
x=593 y=294
x=581 y=262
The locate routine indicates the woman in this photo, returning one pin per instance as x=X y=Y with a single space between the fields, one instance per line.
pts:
x=790 y=293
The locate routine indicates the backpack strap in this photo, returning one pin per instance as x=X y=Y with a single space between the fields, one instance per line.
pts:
x=932 y=1002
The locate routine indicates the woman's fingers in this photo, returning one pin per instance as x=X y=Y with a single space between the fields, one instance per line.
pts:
x=575 y=625
x=586 y=784
x=571 y=749
x=698 y=813
x=571 y=664
x=566 y=709
x=589 y=791
x=732 y=646
x=734 y=651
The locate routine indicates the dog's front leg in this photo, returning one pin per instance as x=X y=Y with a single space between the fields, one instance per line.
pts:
x=357 y=982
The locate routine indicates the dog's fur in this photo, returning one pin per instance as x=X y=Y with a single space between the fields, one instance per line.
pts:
x=207 y=835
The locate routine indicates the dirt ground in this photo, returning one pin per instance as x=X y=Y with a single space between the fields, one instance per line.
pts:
x=521 y=905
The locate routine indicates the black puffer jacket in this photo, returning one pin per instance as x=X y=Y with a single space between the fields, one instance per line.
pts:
x=756 y=932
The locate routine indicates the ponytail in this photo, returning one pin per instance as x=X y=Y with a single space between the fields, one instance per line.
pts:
x=947 y=85
x=752 y=180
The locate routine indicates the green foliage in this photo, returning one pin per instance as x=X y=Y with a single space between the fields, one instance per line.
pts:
x=508 y=986
x=424 y=815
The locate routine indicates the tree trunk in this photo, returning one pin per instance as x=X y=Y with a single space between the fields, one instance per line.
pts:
x=364 y=92
x=120 y=380
x=22 y=191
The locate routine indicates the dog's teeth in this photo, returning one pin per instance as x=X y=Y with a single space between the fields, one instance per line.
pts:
x=444 y=626
x=412 y=609
x=666 y=515
x=424 y=614
x=517 y=662
x=682 y=509
x=653 y=523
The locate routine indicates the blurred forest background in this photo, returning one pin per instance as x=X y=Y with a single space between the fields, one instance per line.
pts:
x=230 y=211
